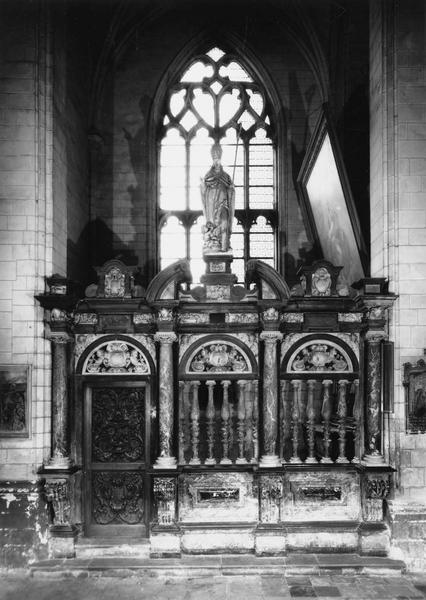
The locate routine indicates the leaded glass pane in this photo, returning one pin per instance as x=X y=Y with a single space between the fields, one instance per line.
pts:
x=215 y=54
x=197 y=72
x=177 y=102
x=238 y=269
x=261 y=226
x=199 y=163
x=204 y=104
x=188 y=120
x=261 y=197
x=239 y=197
x=261 y=245
x=229 y=103
x=261 y=155
x=172 y=242
x=261 y=175
x=246 y=120
x=256 y=101
x=235 y=72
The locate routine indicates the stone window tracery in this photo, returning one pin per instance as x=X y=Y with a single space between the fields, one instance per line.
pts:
x=217 y=100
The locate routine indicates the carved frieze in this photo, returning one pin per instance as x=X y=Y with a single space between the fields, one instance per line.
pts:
x=117 y=497
x=376 y=490
x=377 y=487
x=193 y=318
x=349 y=317
x=241 y=318
x=116 y=357
x=219 y=358
x=292 y=317
x=142 y=318
x=57 y=493
x=218 y=293
x=85 y=319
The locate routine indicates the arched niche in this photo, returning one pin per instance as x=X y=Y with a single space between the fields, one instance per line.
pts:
x=216 y=357
x=115 y=355
x=319 y=355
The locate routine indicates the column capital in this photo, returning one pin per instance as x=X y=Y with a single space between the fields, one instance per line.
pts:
x=59 y=337
x=271 y=337
x=165 y=337
x=375 y=336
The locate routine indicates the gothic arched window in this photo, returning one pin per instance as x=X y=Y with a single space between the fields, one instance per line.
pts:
x=217 y=100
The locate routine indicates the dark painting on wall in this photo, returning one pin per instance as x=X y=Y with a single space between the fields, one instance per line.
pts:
x=329 y=207
x=14 y=400
x=415 y=396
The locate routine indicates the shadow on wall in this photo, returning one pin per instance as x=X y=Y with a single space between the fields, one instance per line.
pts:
x=103 y=245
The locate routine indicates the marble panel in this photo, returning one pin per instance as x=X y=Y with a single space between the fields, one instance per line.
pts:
x=319 y=496
x=218 y=497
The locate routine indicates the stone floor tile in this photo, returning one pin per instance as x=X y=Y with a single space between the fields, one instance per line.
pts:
x=302 y=591
x=327 y=590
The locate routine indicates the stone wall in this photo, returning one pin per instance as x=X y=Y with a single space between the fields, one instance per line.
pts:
x=398 y=216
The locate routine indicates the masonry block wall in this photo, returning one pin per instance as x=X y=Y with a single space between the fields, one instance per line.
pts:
x=398 y=216
x=25 y=259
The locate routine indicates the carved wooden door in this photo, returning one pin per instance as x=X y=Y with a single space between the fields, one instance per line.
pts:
x=116 y=459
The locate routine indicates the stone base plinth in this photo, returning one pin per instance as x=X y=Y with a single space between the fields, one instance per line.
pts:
x=270 y=542
x=321 y=540
x=165 y=544
x=374 y=541
x=218 y=541
x=62 y=541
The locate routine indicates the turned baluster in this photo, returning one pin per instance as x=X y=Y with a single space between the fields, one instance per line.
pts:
x=241 y=422
x=342 y=412
x=248 y=403
x=326 y=415
x=310 y=414
x=357 y=414
x=255 y=421
x=210 y=414
x=225 y=414
x=182 y=422
x=295 y=415
x=195 y=424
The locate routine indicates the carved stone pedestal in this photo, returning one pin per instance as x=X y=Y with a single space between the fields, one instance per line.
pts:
x=57 y=491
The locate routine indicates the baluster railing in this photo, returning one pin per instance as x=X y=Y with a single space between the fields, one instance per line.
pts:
x=241 y=460
x=342 y=410
x=210 y=415
x=182 y=408
x=248 y=404
x=326 y=415
x=295 y=415
x=225 y=415
x=195 y=424
x=310 y=415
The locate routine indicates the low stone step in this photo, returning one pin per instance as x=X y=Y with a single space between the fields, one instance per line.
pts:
x=90 y=548
x=217 y=565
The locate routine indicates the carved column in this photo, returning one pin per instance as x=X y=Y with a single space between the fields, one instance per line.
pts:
x=60 y=458
x=270 y=399
x=374 y=395
x=166 y=460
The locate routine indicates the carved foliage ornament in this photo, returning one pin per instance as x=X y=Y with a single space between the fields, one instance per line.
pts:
x=85 y=318
x=377 y=488
x=116 y=357
x=117 y=497
x=319 y=357
x=57 y=495
x=115 y=283
x=219 y=358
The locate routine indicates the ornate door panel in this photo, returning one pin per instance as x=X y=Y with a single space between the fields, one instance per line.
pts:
x=116 y=451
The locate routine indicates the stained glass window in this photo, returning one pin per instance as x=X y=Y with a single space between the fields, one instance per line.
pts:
x=217 y=100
